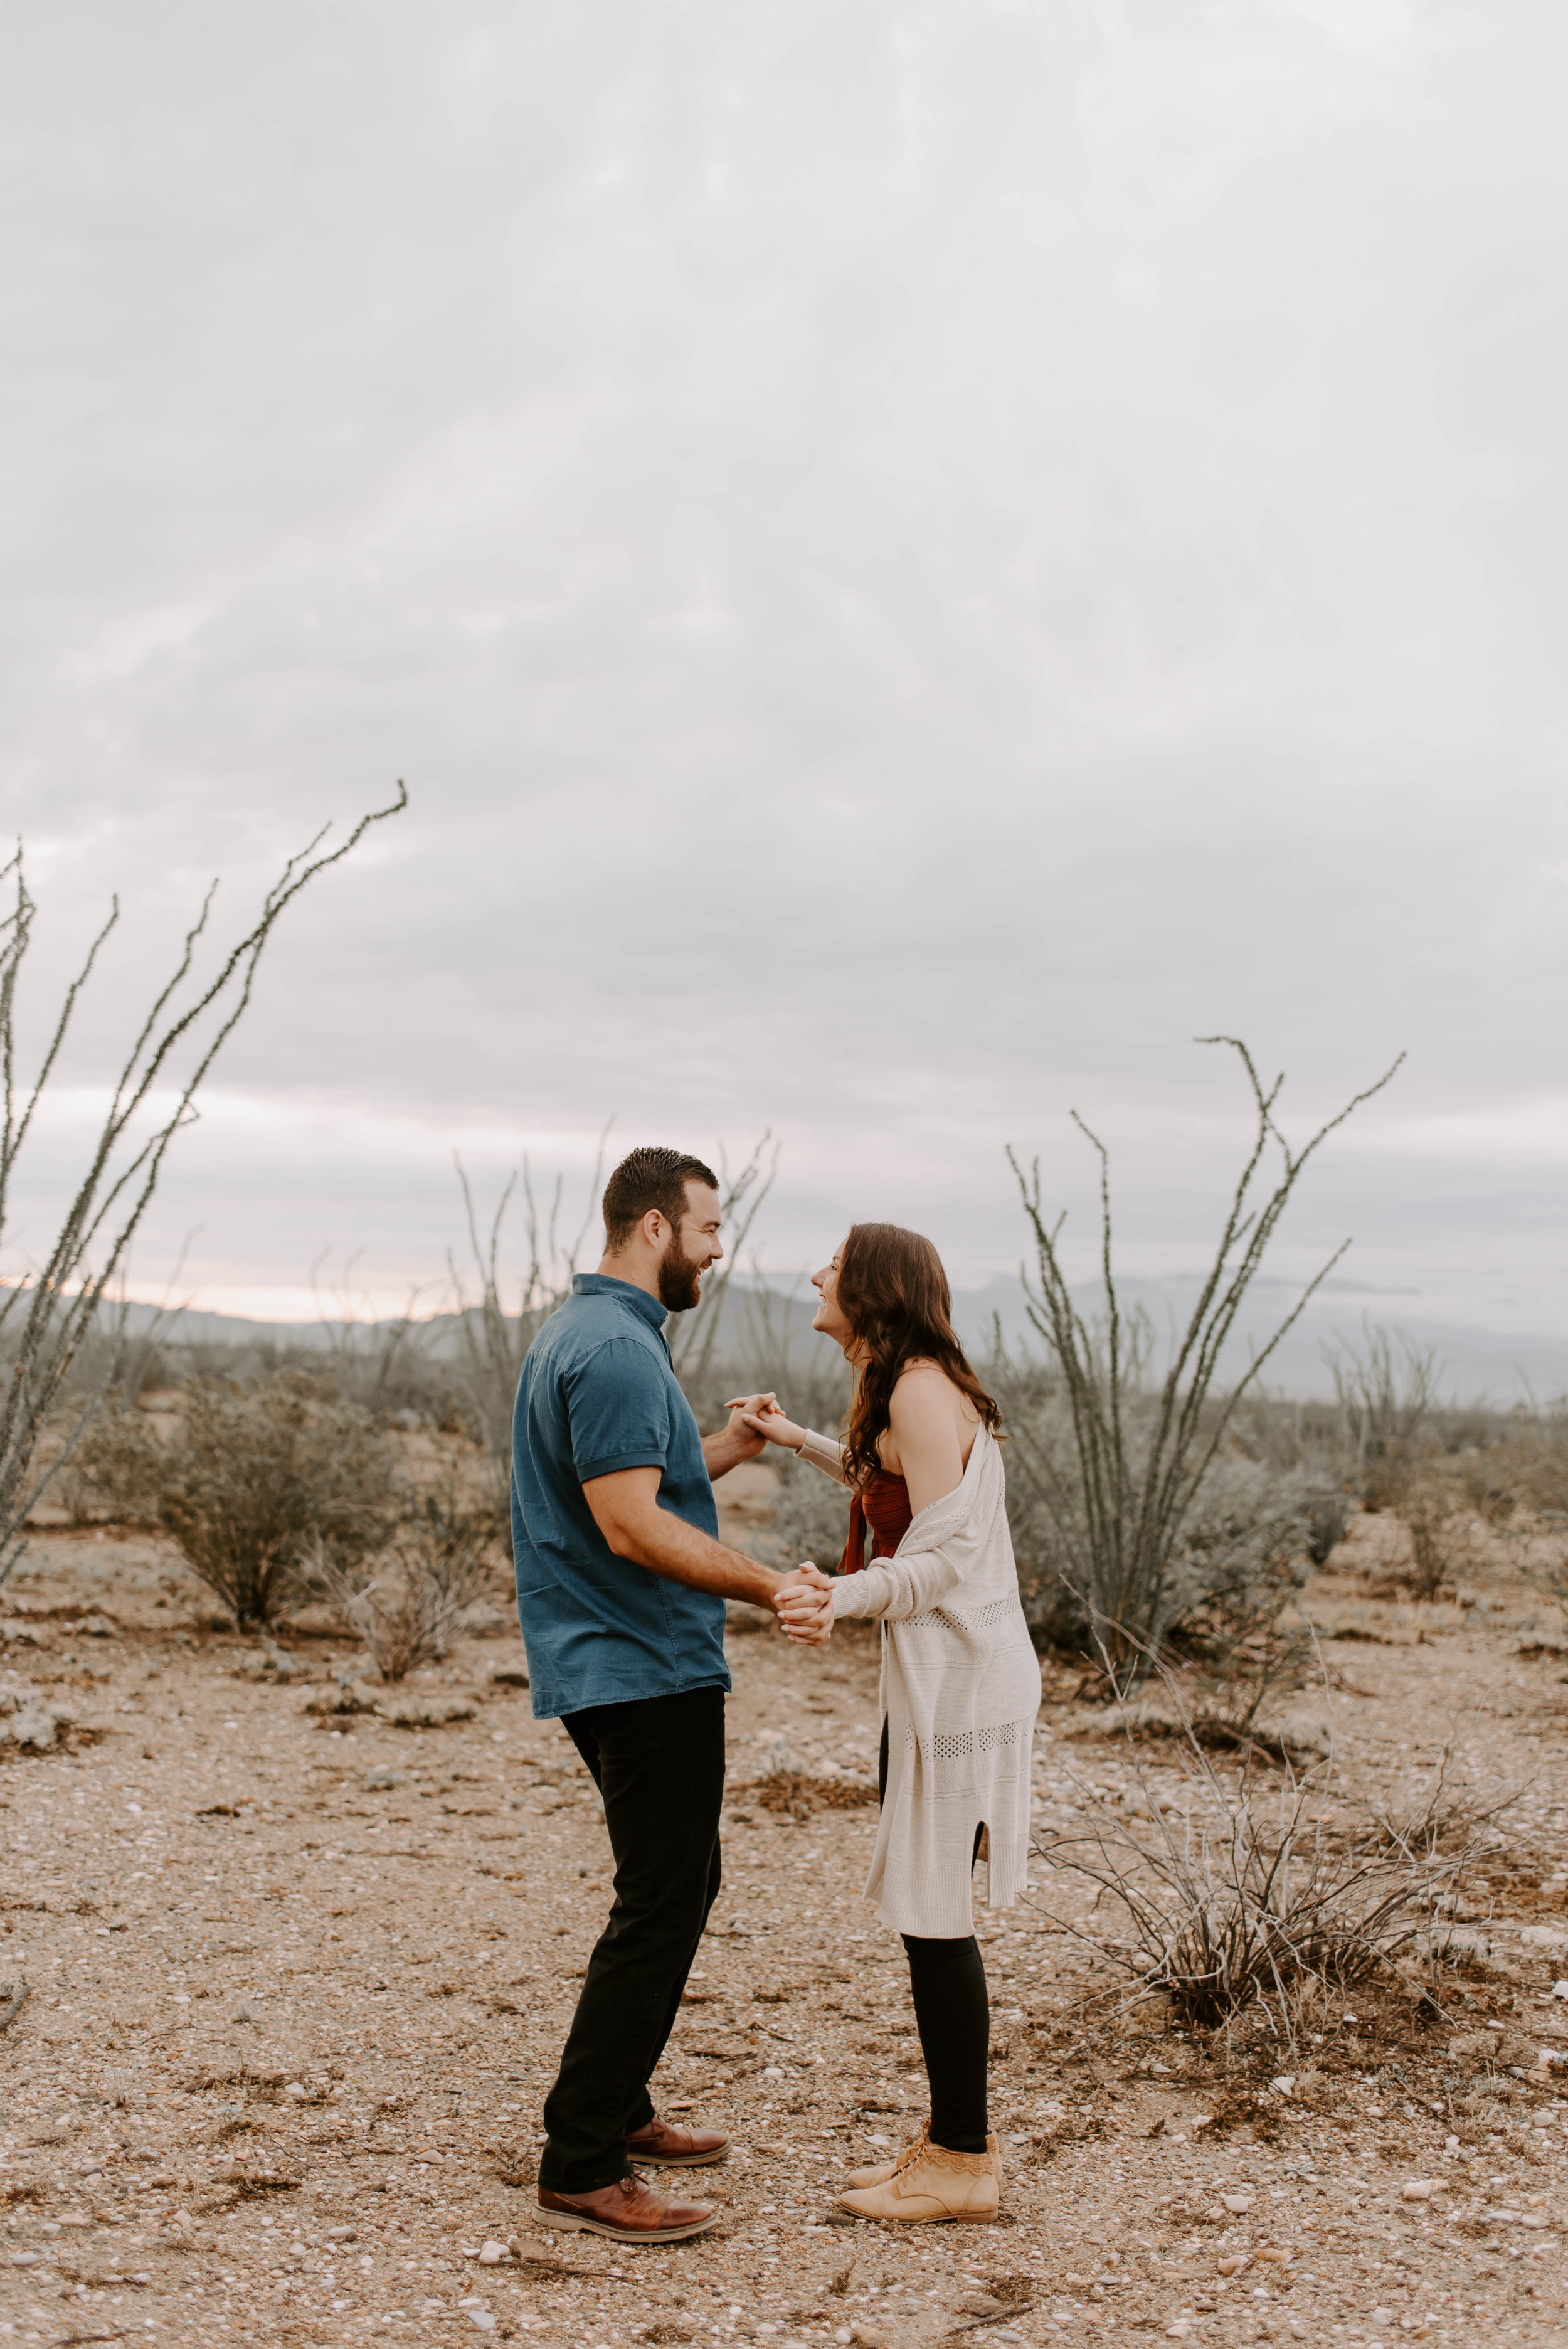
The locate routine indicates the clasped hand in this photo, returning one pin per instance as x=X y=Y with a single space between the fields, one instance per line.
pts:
x=803 y=1602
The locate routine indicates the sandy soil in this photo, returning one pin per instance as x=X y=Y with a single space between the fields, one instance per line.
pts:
x=298 y=1981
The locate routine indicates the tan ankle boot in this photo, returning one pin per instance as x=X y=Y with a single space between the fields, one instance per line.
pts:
x=877 y=2173
x=929 y=2184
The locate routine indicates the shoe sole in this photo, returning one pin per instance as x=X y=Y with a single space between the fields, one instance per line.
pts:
x=571 y=2223
x=929 y=2218
x=678 y=2160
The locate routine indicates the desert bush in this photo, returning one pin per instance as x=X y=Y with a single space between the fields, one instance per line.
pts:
x=118 y=1468
x=1526 y=1467
x=1387 y=1394
x=1247 y=1898
x=491 y=1339
x=260 y=1478
x=1243 y=1564
x=386 y=1367
x=1441 y=1545
x=405 y=1603
x=1120 y=1497
x=811 y=1518
x=53 y=1307
x=1328 y=1516
x=1235 y=1569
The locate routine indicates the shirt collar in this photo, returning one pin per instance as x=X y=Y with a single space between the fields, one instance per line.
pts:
x=602 y=1284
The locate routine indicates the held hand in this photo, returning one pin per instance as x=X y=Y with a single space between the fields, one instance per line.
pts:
x=804 y=1605
x=761 y=1416
x=741 y=1426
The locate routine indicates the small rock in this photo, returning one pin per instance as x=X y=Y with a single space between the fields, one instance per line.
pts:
x=25 y=2258
x=1237 y=2202
x=1381 y=2316
x=510 y=1676
x=1418 y=2190
x=868 y=2336
x=342 y=2235
x=491 y=2254
x=1560 y=1990
x=1285 y=2085
x=481 y=2319
x=295 y=2090
x=1234 y=2264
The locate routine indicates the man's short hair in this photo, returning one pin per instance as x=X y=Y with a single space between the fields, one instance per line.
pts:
x=646 y=1179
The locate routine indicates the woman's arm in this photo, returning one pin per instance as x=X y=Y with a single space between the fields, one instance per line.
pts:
x=893 y=1587
x=821 y=1451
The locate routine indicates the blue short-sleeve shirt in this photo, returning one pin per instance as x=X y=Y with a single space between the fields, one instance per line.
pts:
x=598 y=1395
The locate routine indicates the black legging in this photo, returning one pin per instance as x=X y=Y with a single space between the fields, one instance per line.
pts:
x=952 y=2016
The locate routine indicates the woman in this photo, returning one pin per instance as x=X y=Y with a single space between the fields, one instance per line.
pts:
x=960 y=1680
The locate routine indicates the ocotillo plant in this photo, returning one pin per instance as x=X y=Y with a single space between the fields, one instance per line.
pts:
x=1138 y=1452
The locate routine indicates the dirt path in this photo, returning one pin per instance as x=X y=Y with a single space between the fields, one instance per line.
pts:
x=298 y=1982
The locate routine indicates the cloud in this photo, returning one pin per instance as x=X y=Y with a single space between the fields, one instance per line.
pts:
x=913 y=561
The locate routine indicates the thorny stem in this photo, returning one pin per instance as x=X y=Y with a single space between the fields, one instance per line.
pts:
x=1122 y=1527
x=56 y=1301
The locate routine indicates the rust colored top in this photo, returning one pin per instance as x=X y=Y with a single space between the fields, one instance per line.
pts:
x=885 y=1506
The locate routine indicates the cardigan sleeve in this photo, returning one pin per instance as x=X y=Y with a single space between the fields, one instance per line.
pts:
x=824 y=1453
x=897 y=1588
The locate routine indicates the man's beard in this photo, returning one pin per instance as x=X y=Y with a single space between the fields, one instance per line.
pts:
x=680 y=1281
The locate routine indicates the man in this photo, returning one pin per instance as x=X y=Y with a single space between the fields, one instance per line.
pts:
x=620 y=1585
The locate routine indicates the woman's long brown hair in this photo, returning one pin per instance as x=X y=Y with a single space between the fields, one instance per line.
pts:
x=893 y=1293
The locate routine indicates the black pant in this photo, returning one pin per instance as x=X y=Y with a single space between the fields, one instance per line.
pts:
x=952 y=2016
x=658 y=1761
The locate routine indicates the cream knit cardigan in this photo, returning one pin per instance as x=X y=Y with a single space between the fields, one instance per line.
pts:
x=960 y=1690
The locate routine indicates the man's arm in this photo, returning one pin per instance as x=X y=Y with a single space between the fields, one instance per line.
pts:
x=735 y=1441
x=627 y=1511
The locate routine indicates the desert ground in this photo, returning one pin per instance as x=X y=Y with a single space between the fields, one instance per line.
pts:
x=299 y=1953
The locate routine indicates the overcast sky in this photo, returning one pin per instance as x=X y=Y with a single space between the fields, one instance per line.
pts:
x=916 y=557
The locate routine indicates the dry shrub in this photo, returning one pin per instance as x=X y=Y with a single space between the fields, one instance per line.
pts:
x=1441 y=1546
x=1328 y=1516
x=1387 y=1396
x=260 y=1479
x=118 y=1468
x=798 y=1794
x=1527 y=1470
x=1244 y=1561
x=405 y=1609
x=1248 y=1900
x=811 y=1518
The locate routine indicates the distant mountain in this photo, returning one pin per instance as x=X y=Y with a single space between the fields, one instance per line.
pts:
x=1477 y=1364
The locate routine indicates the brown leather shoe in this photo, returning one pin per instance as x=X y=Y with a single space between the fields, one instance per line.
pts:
x=629 y=2212
x=677 y=2148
